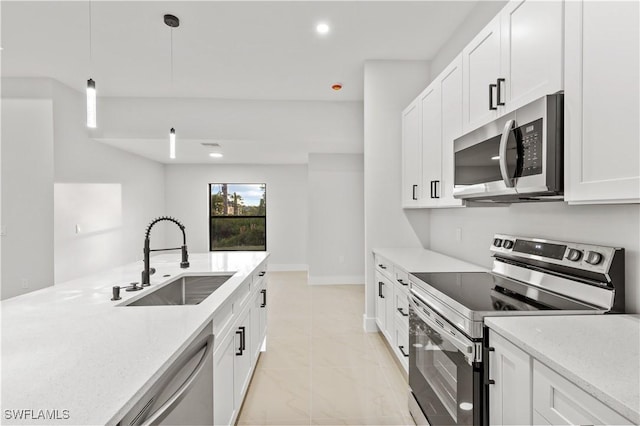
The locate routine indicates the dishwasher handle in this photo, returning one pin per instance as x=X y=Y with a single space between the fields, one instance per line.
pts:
x=179 y=394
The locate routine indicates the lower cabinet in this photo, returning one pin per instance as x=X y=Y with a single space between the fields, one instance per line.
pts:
x=384 y=305
x=522 y=390
x=557 y=401
x=237 y=349
x=509 y=370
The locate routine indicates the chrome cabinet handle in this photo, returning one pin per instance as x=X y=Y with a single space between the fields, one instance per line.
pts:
x=178 y=395
x=504 y=171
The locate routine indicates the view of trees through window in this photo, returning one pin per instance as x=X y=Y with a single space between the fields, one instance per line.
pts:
x=238 y=216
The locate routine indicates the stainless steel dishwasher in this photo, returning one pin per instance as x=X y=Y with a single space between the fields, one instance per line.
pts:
x=184 y=393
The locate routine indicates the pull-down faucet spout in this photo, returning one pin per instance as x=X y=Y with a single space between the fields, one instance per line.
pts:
x=147 y=248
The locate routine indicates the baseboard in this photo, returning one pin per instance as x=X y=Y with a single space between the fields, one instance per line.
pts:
x=369 y=324
x=335 y=279
x=283 y=267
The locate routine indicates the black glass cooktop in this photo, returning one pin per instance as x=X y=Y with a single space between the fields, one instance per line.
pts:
x=484 y=292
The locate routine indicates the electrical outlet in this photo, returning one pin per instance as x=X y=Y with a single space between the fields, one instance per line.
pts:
x=459 y=235
x=24 y=283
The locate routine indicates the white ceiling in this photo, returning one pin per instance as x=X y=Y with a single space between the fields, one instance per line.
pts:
x=226 y=50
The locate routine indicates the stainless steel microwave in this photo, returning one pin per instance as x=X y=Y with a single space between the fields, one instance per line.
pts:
x=517 y=158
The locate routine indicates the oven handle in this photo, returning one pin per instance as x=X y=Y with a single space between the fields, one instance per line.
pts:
x=464 y=346
x=504 y=170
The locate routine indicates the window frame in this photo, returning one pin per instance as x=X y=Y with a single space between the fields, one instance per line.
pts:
x=210 y=217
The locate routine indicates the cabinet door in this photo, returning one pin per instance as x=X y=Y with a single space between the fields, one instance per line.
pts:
x=223 y=381
x=411 y=155
x=451 y=94
x=263 y=315
x=602 y=145
x=532 y=61
x=388 y=291
x=431 y=144
x=256 y=330
x=243 y=359
x=557 y=401
x=481 y=68
x=401 y=344
x=510 y=393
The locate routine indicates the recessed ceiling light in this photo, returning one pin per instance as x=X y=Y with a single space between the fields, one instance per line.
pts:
x=215 y=155
x=336 y=86
x=322 y=28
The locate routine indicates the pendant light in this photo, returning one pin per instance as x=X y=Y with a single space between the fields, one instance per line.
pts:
x=172 y=22
x=92 y=120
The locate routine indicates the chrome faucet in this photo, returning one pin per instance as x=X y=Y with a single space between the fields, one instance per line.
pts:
x=147 y=250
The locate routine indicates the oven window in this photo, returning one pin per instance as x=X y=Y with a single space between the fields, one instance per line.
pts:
x=439 y=376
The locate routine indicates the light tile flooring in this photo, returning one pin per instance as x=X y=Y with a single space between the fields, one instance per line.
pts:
x=320 y=367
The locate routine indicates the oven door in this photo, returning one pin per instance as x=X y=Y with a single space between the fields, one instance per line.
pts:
x=445 y=375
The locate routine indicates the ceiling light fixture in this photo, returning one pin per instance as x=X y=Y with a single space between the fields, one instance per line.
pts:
x=172 y=22
x=322 y=28
x=215 y=155
x=336 y=86
x=92 y=120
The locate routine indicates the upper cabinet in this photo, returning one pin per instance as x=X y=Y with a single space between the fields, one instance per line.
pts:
x=411 y=155
x=429 y=126
x=602 y=102
x=516 y=59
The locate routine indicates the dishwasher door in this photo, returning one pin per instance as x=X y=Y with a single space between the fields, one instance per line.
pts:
x=184 y=394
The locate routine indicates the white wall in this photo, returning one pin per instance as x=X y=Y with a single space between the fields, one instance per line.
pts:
x=104 y=240
x=27 y=195
x=476 y=20
x=336 y=219
x=389 y=86
x=111 y=221
x=615 y=225
x=187 y=200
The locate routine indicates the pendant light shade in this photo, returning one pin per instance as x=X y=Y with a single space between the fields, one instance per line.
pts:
x=91 y=104
x=172 y=143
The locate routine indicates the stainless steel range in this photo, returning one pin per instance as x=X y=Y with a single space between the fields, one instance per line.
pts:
x=530 y=276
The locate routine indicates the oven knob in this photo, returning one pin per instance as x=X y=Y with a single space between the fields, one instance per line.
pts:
x=593 y=257
x=497 y=242
x=507 y=244
x=574 y=255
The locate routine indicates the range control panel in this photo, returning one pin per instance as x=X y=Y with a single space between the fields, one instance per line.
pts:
x=576 y=255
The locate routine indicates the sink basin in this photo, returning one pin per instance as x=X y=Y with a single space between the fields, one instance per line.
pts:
x=183 y=291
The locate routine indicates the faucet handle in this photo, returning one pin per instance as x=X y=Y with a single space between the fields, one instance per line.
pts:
x=116 y=292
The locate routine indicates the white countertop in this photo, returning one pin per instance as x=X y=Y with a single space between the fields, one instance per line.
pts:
x=599 y=353
x=68 y=347
x=421 y=260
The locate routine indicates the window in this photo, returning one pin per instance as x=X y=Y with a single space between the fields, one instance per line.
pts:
x=237 y=216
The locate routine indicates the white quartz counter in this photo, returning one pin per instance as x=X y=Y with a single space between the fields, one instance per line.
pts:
x=599 y=353
x=69 y=347
x=421 y=260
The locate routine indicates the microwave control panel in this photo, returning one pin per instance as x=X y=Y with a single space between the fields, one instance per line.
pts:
x=531 y=134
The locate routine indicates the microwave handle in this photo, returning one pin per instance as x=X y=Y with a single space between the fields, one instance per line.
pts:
x=504 y=171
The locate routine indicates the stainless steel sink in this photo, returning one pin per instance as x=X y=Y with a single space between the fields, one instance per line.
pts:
x=183 y=291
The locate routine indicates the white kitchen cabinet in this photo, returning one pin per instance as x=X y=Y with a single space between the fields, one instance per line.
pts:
x=557 y=401
x=243 y=359
x=531 y=51
x=224 y=406
x=450 y=81
x=258 y=316
x=384 y=305
x=431 y=141
x=481 y=69
x=411 y=156
x=516 y=59
x=401 y=344
x=510 y=388
x=602 y=102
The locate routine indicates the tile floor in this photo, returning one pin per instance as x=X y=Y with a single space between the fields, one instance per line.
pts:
x=320 y=367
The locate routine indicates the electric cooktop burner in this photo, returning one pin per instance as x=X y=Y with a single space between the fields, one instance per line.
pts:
x=485 y=292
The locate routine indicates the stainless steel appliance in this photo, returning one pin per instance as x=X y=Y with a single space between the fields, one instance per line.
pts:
x=448 y=375
x=184 y=393
x=516 y=158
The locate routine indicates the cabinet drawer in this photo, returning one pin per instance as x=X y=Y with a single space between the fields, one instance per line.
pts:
x=559 y=401
x=242 y=295
x=384 y=266
x=402 y=278
x=401 y=307
x=259 y=274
